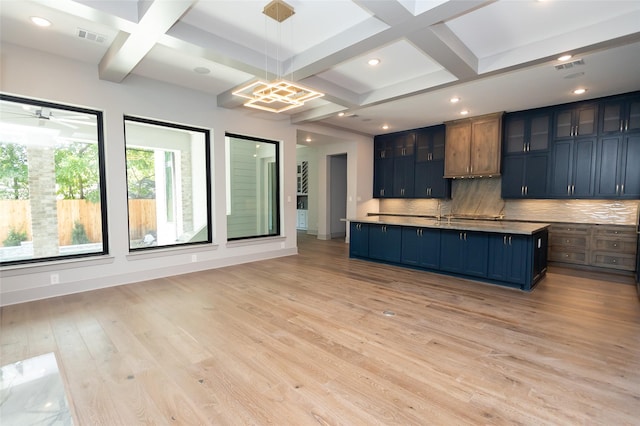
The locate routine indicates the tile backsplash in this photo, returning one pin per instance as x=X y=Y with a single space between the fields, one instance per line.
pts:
x=481 y=197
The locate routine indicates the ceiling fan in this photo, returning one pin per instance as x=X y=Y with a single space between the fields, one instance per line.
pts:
x=44 y=114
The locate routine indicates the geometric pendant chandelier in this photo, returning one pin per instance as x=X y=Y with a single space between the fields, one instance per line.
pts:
x=278 y=95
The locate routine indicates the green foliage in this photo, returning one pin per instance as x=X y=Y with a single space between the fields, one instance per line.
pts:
x=79 y=234
x=77 y=175
x=14 y=172
x=140 y=174
x=15 y=238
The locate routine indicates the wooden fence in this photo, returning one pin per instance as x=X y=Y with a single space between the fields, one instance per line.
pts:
x=16 y=215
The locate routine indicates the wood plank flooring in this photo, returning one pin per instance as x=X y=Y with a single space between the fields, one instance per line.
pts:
x=302 y=340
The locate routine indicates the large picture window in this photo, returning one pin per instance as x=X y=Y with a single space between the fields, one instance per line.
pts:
x=52 y=193
x=168 y=183
x=253 y=208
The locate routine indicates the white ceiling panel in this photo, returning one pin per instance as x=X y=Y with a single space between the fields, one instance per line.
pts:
x=507 y=25
x=399 y=61
x=314 y=21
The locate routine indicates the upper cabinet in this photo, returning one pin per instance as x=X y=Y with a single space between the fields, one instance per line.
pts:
x=472 y=147
x=383 y=166
x=429 y=165
x=620 y=115
x=527 y=132
x=576 y=121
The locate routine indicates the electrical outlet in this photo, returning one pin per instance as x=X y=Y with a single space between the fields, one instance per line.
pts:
x=194 y=258
x=54 y=278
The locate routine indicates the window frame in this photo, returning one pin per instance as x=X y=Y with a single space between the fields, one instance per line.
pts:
x=277 y=200
x=207 y=148
x=101 y=174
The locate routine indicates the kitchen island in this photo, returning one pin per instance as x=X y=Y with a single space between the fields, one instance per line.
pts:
x=507 y=253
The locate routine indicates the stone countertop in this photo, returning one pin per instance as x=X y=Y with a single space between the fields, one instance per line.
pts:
x=498 y=226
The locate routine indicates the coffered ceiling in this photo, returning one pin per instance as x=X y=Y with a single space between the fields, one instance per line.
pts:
x=494 y=55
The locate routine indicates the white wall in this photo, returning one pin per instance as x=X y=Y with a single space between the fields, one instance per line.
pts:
x=35 y=74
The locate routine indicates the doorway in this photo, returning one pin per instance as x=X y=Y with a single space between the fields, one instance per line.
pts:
x=337 y=195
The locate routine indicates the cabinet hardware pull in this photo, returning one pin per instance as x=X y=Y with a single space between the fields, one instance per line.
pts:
x=568 y=189
x=509 y=239
x=622 y=189
x=526 y=190
x=617 y=189
x=522 y=190
x=504 y=240
x=621 y=125
x=626 y=126
x=573 y=189
x=465 y=236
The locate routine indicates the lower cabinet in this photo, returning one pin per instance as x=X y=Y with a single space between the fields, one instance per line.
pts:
x=464 y=252
x=507 y=252
x=421 y=247
x=384 y=242
x=513 y=260
x=358 y=240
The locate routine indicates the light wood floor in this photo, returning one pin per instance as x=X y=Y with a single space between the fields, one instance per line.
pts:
x=302 y=341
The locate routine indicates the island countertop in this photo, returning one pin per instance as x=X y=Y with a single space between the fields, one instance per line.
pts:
x=498 y=226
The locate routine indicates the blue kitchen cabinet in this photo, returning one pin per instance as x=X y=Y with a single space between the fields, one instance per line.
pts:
x=403 y=164
x=618 y=166
x=527 y=131
x=576 y=121
x=573 y=168
x=383 y=166
x=385 y=242
x=620 y=115
x=509 y=258
x=525 y=175
x=429 y=164
x=358 y=239
x=421 y=247
x=464 y=252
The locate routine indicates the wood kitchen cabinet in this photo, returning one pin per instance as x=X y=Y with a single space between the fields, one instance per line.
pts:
x=473 y=147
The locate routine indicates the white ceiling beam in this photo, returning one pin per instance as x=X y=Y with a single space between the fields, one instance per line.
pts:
x=390 y=12
x=444 y=47
x=127 y=50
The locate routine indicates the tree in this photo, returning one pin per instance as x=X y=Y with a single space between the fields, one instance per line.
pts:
x=140 y=173
x=77 y=173
x=14 y=172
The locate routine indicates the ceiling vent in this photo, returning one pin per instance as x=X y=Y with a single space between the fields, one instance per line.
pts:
x=569 y=65
x=91 y=36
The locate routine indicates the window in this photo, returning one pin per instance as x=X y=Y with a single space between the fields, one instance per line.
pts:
x=52 y=193
x=168 y=184
x=253 y=208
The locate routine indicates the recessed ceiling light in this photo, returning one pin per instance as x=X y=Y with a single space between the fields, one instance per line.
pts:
x=579 y=91
x=201 y=70
x=454 y=100
x=341 y=114
x=564 y=58
x=308 y=139
x=41 y=22
x=373 y=61
x=464 y=112
x=385 y=127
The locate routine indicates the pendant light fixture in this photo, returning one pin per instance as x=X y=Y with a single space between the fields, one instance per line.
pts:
x=278 y=95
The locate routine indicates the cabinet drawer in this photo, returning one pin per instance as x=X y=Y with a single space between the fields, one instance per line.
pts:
x=569 y=241
x=609 y=260
x=568 y=257
x=615 y=245
x=615 y=231
x=569 y=229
